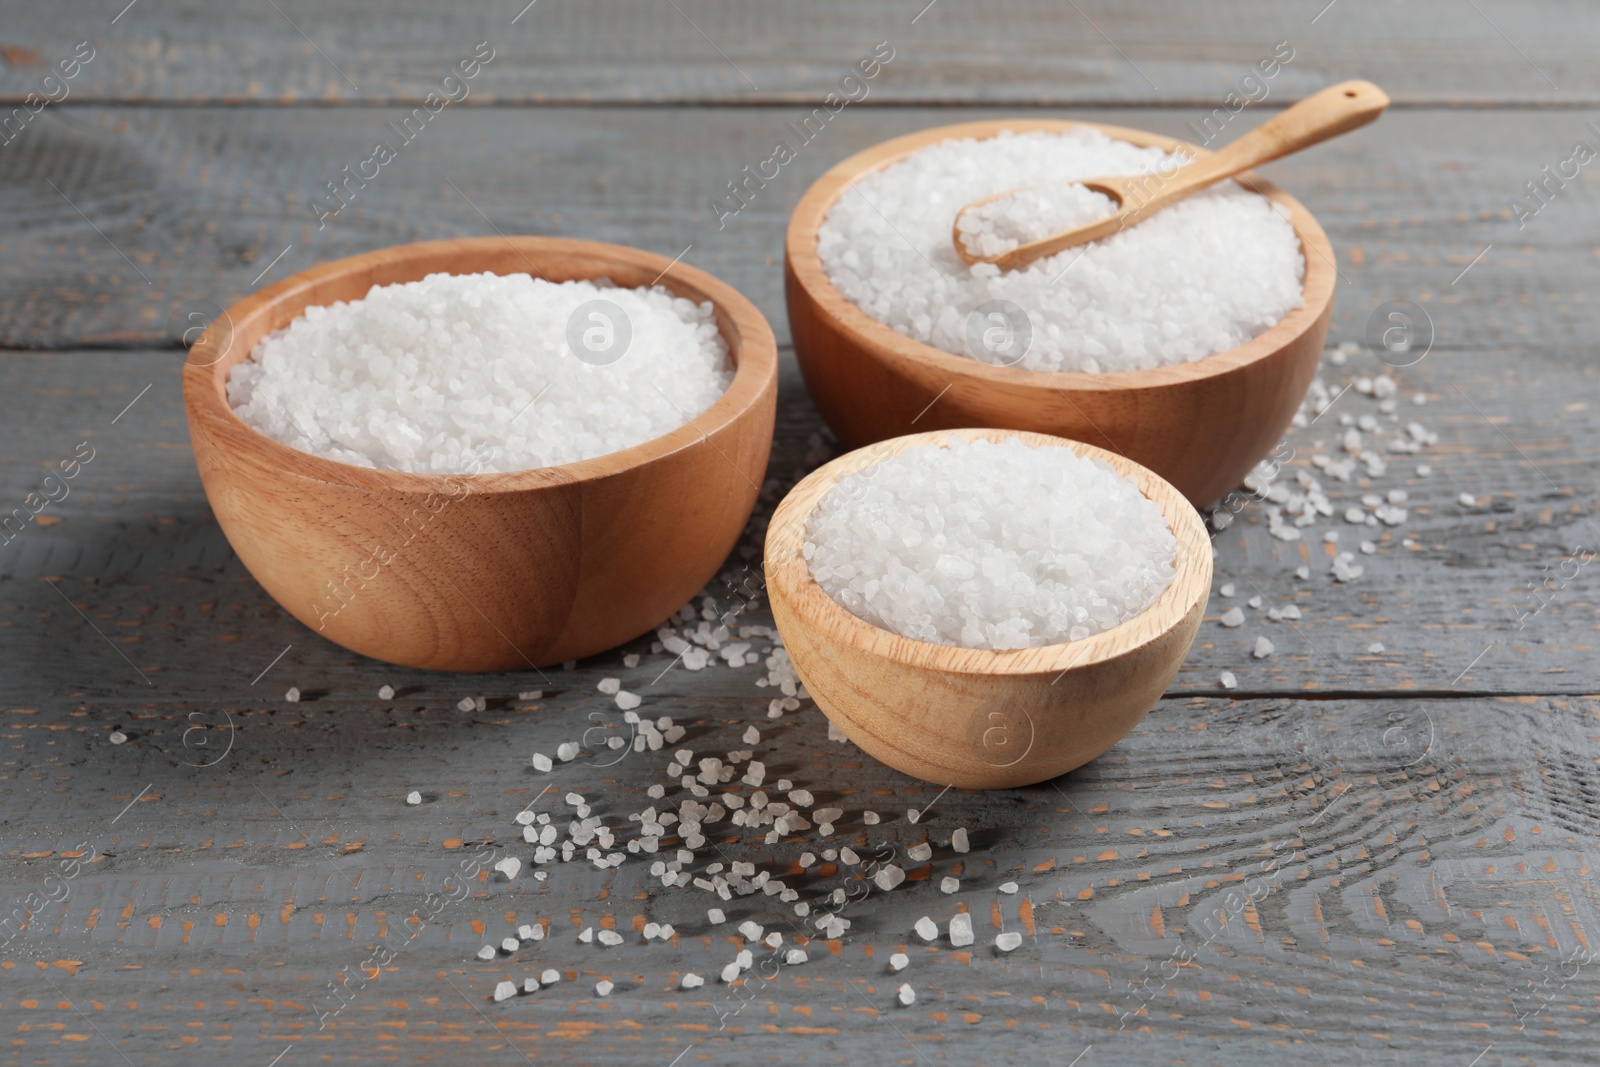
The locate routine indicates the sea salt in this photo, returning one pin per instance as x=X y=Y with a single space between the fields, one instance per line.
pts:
x=1030 y=214
x=961 y=930
x=990 y=545
x=1226 y=261
x=467 y=373
x=1008 y=941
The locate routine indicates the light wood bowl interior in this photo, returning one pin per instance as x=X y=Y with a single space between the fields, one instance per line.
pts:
x=1200 y=425
x=485 y=572
x=976 y=718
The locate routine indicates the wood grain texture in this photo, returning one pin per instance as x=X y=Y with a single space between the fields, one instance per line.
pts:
x=506 y=571
x=1414 y=890
x=1023 y=52
x=970 y=717
x=872 y=382
x=1432 y=807
x=135 y=545
x=204 y=200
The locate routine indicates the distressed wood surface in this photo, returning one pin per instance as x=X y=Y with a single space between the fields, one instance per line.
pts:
x=201 y=201
x=1021 y=52
x=1354 y=857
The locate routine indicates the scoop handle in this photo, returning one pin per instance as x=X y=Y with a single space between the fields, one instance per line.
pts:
x=1335 y=110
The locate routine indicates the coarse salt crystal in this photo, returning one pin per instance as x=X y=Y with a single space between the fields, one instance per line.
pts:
x=961 y=929
x=927 y=929
x=1008 y=941
x=413 y=798
x=505 y=990
x=907 y=995
x=1263 y=649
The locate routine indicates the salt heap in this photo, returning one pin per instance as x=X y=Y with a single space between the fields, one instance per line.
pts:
x=466 y=373
x=1032 y=214
x=990 y=545
x=1196 y=278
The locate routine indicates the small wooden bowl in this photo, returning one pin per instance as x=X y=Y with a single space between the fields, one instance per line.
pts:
x=485 y=572
x=1200 y=425
x=972 y=717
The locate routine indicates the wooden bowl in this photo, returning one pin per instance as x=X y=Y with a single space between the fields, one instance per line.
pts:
x=1200 y=425
x=485 y=572
x=971 y=717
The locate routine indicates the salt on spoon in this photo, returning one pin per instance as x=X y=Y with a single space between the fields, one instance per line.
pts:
x=992 y=230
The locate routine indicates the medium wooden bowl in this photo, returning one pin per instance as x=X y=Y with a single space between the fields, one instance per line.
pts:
x=972 y=717
x=494 y=571
x=1200 y=425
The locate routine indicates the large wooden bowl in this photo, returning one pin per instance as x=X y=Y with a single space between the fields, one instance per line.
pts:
x=972 y=717
x=487 y=571
x=1200 y=425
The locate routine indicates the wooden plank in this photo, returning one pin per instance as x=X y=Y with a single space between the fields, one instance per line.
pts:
x=202 y=201
x=1235 y=882
x=135 y=548
x=1018 y=52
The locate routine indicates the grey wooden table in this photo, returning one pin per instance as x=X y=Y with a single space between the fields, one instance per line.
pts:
x=1379 y=847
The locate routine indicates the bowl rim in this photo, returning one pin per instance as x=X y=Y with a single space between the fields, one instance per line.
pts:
x=805 y=266
x=751 y=346
x=787 y=568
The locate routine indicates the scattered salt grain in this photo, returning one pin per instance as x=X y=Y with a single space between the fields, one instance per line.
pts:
x=692 y=981
x=909 y=544
x=541 y=762
x=1263 y=648
x=1234 y=616
x=550 y=976
x=716 y=916
x=961 y=929
x=566 y=751
x=386 y=692
x=948 y=885
x=1008 y=887
x=531 y=694
x=486 y=952
x=509 y=867
x=899 y=961
x=413 y=798
x=927 y=929
x=530 y=985
x=505 y=991
x=1226 y=261
x=603 y=988
x=1227 y=589
x=465 y=704
x=609 y=938
x=435 y=376
x=870 y=818
x=1467 y=500
x=587 y=935
x=1229 y=680
x=920 y=852
x=1375 y=647
x=293 y=695
x=628 y=701
x=118 y=737
x=510 y=944
x=609 y=686
x=795 y=956
x=907 y=995
x=1008 y=941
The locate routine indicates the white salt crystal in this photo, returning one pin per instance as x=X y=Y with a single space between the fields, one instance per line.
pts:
x=1375 y=647
x=908 y=545
x=961 y=929
x=692 y=981
x=716 y=916
x=948 y=885
x=958 y=840
x=631 y=659
x=413 y=798
x=870 y=818
x=530 y=985
x=750 y=930
x=899 y=961
x=505 y=990
x=795 y=956
x=609 y=686
x=1263 y=648
x=486 y=952
x=510 y=944
x=465 y=704
x=438 y=375
x=566 y=751
x=1008 y=887
x=927 y=929
x=907 y=995
x=752 y=735
x=1229 y=680
x=587 y=935
x=531 y=694
x=1030 y=214
x=603 y=988
x=628 y=701
x=921 y=852
x=731 y=971
x=1227 y=589
x=293 y=695
x=1467 y=500
x=1008 y=941
x=1226 y=263
x=888 y=876
x=609 y=937
x=117 y=737
x=550 y=976
x=1233 y=617
x=386 y=692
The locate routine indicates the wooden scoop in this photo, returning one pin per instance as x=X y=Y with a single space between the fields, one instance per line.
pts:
x=1335 y=110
